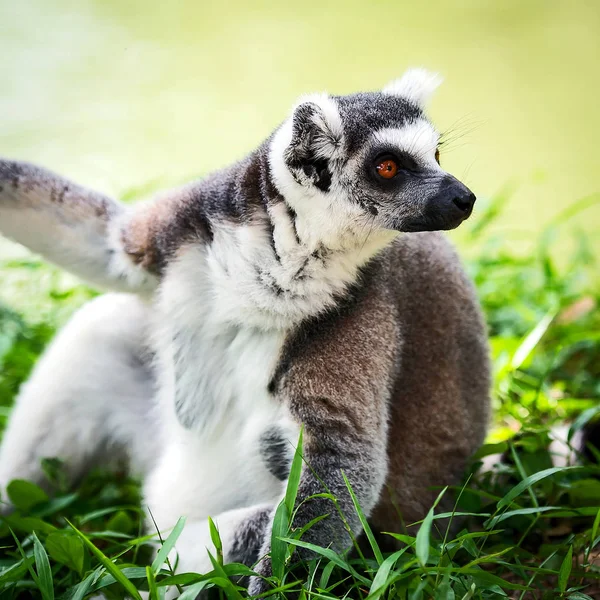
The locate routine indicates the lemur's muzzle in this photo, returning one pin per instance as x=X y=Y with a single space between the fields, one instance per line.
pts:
x=454 y=202
x=447 y=208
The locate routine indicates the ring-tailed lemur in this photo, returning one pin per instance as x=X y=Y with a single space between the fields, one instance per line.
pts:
x=274 y=294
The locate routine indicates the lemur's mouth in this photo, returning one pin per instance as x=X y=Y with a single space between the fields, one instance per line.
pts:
x=427 y=223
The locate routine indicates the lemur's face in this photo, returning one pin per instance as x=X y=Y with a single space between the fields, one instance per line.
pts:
x=370 y=157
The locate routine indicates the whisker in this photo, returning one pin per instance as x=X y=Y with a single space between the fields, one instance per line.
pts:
x=368 y=236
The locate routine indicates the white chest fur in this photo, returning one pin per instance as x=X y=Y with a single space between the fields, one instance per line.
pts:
x=213 y=377
x=216 y=365
x=225 y=311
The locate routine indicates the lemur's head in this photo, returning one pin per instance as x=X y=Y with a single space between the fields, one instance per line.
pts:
x=369 y=156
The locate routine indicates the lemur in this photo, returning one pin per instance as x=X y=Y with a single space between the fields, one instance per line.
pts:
x=305 y=286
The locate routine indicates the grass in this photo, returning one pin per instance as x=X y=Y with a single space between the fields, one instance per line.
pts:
x=526 y=529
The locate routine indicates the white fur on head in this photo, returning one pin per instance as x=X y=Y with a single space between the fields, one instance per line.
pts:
x=419 y=139
x=416 y=85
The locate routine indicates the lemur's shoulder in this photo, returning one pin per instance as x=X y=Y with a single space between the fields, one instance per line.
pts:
x=433 y=295
x=414 y=287
x=421 y=255
x=424 y=271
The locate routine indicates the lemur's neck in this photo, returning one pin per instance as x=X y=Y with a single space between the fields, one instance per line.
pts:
x=272 y=252
x=283 y=262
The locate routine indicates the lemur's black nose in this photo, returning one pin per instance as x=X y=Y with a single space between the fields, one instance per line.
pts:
x=452 y=205
x=465 y=201
x=447 y=208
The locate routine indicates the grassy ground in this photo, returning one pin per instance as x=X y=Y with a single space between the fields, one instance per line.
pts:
x=528 y=529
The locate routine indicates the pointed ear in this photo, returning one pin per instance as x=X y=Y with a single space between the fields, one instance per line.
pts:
x=416 y=85
x=316 y=138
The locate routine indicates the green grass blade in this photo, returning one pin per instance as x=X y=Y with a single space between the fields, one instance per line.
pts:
x=485 y=576
x=215 y=538
x=380 y=581
x=331 y=556
x=595 y=527
x=363 y=521
x=130 y=573
x=15 y=572
x=294 y=477
x=531 y=340
x=531 y=480
x=27 y=560
x=191 y=592
x=108 y=564
x=152 y=589
x=85 y=587
x=168 y=545
x=489 y=558
x=565 y=570
x=326 y=574
x=470 y=593
x=283 y=514
x=223 y=581
x=522 y=472
x=186 y=579
x=449 y=515
x=279 y=548
x=444 y=591
x=422 y=545
x=424 y=533
x=42 y=563
x=418 y=593
x=530 y=510
x=576 y=207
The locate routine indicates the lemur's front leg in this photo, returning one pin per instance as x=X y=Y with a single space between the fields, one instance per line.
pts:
x=337 y=387
x=337 y=442
x=92 y=235
x=74 y=227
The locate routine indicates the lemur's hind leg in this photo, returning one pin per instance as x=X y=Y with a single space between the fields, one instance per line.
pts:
x=242 y=532
x=90 y=397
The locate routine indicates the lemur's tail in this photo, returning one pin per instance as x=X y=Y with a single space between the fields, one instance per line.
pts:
x=76 y=228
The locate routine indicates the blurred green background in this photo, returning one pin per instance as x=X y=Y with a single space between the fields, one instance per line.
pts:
x=135 y=95
x=119 y=93
x=127 y=96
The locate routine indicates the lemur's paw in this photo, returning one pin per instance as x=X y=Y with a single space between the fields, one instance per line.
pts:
x=259 y=585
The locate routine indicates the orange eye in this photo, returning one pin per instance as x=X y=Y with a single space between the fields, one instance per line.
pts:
x=387 y=168
x=437 y=155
